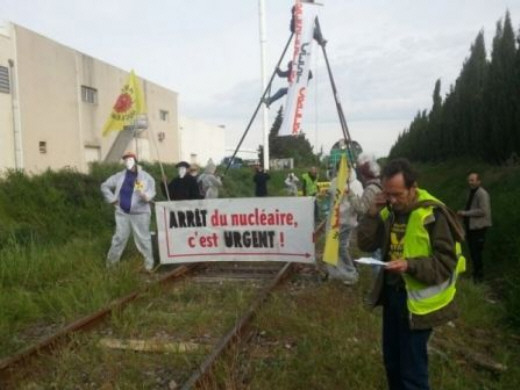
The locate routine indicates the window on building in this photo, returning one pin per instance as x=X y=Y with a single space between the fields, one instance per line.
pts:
x=163 y=115
x=88 y=94
x=43 y=147
x=4 y=79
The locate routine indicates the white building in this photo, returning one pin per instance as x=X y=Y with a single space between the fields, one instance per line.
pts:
x=54 y=102
x=200 y=141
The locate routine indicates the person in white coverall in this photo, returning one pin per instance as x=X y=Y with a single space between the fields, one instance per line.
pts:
x=345 y=270
x=130 y=191
x=209 y=182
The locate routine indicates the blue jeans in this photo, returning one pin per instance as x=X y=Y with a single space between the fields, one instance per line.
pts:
x=404 y=350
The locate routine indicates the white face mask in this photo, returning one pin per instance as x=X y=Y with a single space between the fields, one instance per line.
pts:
x=182 y=172
x=130 y=163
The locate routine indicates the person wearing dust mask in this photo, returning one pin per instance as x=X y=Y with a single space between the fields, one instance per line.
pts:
x=209 y=182
x=182 y=187
x=130 y=191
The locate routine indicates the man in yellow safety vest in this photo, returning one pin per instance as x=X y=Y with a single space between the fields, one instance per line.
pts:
x=310 y=188
x=420 y=242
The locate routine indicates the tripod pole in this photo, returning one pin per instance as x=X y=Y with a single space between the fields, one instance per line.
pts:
x=259 y=104
x=339 y=108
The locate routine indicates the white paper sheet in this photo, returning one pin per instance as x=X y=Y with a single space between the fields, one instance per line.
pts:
x=370 y=261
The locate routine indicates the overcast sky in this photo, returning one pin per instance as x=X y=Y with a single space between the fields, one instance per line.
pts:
x=385 y=55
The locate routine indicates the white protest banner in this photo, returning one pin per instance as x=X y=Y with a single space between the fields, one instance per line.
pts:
x=236 y=229
x=304 y=24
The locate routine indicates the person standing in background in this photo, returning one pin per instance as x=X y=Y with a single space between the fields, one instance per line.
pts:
x=260 y=178
x=194 y=171
x=209 y=183
x=183 y=187
x=369 y=171
x=130 y=191
x=310 y=188
x=291 y=182
x=477 y=219
x=345 y=269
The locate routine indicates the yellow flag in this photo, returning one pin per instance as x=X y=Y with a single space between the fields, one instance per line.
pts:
x=331 y=251
x=129 y=105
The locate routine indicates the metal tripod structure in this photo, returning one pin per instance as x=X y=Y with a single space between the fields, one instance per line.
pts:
x=339 y=108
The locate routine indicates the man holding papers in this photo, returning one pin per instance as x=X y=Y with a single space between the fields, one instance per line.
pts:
x=419 y=239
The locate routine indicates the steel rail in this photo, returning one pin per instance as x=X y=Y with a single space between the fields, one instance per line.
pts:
x=226 y=341
x=10 y=363
x=233 y=335
x=7 y=365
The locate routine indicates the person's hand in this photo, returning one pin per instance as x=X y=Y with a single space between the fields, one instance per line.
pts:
x=115 y=203
x=164 y=178
x=143 y=197
x=397 y=266
x=378 y=203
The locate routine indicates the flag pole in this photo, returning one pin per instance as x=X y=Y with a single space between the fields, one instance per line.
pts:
x=156 y=147
x=163 y=174
x=265 y=113
x=154 y=142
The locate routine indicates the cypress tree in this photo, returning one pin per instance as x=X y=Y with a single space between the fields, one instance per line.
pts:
x=499 y=94
x=435 y=123
x=470 y=91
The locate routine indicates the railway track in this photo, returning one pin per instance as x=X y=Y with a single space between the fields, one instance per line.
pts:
x=186 y=332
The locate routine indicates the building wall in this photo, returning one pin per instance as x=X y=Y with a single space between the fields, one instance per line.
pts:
x=46 y=74
x=58 y=128
x=201 y=141
x=7 y=155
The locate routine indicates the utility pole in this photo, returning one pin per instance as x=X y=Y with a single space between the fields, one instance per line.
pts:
x=265 y=112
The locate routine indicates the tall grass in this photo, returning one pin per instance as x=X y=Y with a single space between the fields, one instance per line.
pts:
x=321 y=337
x=502 y=249
x=46 y=287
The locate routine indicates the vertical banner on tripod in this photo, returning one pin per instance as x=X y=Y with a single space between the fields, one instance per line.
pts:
x=304 y=16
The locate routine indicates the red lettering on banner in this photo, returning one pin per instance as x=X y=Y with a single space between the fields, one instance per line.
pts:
x=298 y=27
x=191 y=241
x=218 y=219
x=210 y=241
x=262 y=218
x=298 y=113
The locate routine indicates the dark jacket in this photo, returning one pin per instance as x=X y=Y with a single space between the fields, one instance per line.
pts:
x=260 y=178
x=374 y=233
x=185 y=188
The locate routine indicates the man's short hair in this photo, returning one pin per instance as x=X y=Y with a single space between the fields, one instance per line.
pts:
x=400 y=165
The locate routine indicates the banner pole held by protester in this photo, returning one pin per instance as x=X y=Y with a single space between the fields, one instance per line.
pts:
x=331 y=251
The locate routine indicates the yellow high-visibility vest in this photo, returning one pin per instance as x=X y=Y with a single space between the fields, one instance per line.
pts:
x=421 y=298
x=311 y=186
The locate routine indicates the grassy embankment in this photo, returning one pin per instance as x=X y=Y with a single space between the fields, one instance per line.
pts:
x=55 y=232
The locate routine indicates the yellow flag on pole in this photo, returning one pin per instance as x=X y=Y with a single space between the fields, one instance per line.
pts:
x=128 y=106
x=331 y=251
